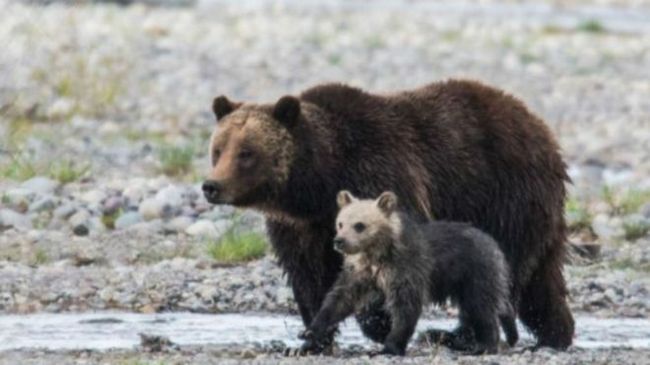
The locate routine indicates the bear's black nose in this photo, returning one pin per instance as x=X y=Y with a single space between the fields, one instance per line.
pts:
x=211 y=190
x=338 y=243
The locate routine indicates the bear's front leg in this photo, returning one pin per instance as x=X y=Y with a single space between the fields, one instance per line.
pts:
x=305 y=252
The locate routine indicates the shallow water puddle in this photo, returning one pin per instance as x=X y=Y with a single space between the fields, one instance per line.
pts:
x=120 y=330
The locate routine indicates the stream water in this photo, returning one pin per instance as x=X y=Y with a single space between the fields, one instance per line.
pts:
x=120 y=330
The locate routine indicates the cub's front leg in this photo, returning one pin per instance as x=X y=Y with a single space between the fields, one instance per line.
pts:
x=339 y=303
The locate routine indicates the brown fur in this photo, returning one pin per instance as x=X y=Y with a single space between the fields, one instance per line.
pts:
x=454 y=150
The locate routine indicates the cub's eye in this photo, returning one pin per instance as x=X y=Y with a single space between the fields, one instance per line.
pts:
x=359 y=227
x=245 y=154
x=340 y=225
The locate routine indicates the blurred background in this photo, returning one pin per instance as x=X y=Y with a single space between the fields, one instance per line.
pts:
x=105 y=119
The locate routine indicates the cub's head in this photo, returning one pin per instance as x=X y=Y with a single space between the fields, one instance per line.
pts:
x=251 y=150
x=363 y=224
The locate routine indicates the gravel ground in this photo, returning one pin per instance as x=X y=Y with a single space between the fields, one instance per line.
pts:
x=94 y=217
x=232 y=355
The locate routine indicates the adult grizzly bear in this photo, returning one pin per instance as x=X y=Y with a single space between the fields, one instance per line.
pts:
x=454 y=150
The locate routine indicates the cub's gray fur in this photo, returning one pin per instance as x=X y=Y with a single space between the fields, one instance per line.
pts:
x=410 y=264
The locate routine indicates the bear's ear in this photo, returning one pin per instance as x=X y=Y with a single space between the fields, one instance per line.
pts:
x=387 y=202
x=344 y=198
x=287 y=110
x=222 y=106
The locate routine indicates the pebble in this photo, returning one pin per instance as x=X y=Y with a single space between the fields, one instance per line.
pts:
x=153 y=208
x=40 y=185
x=127 y=219
x=203 y=228
x=9 y=218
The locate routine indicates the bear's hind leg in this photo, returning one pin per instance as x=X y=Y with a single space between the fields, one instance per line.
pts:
x=543 y=307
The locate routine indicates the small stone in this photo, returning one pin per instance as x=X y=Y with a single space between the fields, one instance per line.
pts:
x=606 y=227
x=45 y=203
x=9 y=218
x=18 y=198
x=81 y=230
x=170 y=195
x=127 y=219
x=65 y=211
x=178 y=224
x=203 y=228
x=153 y=208
x=79 y=217
x=40 y=185
x=112 y=204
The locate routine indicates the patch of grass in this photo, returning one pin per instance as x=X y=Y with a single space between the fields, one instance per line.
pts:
x=632 y=200
x=591 y=26
x=68 y=171
x=527 y=58
x=627 y=202
x=22 y=166
x=579 y=217
x=109 y=219
x=40 y=257
x=236 y=246
x=628 y=264
x=176 y=160
x=634 y=231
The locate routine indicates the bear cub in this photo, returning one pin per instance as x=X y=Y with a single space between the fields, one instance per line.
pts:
x=413 y=264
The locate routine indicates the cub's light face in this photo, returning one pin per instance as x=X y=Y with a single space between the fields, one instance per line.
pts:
x=356 y=226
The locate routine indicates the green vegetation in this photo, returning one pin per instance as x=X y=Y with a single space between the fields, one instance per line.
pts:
x=628 y=264
x=636 y=230
x=176 y=160
x=68 y=171
x=627 y=202
x=579 y=217
x=22 y=166
x=236 y=246
x=591 y=26
x=40 y=257
x=109 y=219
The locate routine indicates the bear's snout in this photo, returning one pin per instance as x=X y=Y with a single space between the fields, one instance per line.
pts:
x=339 y=244
x=211 y=190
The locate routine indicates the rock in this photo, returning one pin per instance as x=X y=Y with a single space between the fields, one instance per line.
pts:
x=152 y=343
x=127 y=219
x=46 y=203
x=112 y=205
x=606 y=227
x=40 y=185
x=203 y=228
x=93 y=197
x=645 y=210
x=153 y=208
x=81 y=229
x=19 y=198
x=65 y=211
x=170 y=195
x=178 y=224
x=80 y=217
x=9 y=218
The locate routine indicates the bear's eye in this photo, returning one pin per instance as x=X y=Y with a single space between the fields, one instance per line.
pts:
x=359 y=227
x=245 y=154
x=340 y=225
x=216 y=154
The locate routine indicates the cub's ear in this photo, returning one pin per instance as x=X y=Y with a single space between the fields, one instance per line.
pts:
x=387 y=202
x=344 y=198
x=287 y=110
x=222 y=106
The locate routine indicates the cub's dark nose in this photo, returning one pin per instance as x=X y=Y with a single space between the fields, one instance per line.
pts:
x=338 y=243
x=211 y=190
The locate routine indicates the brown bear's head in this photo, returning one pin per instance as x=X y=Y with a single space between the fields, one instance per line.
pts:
x=251 y=150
